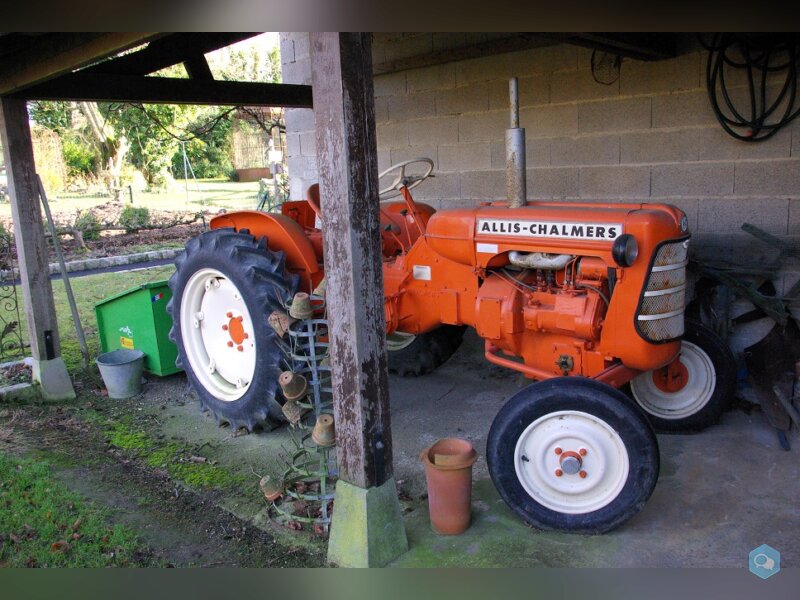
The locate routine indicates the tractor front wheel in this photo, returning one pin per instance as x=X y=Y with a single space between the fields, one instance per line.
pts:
x=414 y=355
x=225 y=286
x=572 y=454
x=693 y=391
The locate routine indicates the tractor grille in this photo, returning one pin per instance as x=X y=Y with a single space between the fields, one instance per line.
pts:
x=660 y=315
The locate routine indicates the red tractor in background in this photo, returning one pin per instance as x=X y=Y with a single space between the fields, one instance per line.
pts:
x=585 y=298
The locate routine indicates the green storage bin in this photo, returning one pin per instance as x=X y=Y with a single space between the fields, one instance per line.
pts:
x=137 y=319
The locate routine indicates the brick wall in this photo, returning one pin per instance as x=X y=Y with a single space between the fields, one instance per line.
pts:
x=650 y=136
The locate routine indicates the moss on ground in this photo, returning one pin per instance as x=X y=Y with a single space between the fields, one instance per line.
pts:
x=177 y=460
x=44 y=524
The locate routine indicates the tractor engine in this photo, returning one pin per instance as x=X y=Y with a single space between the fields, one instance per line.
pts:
x=570 y=289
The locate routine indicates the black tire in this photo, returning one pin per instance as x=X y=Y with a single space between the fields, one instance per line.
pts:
x=427 y=352
x=261 y=278
x=601 y=402
x=719 y=394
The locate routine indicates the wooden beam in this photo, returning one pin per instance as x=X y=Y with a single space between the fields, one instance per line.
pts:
x=513 y=43
x=29 y=230
x=341 y=68
x=62 y=53
x=640 y=46
x=173 y=49
x=92 y=86
x=197 y=68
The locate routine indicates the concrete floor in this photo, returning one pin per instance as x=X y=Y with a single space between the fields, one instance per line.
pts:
x=720 y=494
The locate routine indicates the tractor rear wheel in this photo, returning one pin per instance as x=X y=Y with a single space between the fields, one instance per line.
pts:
x=225 y=286
x=691 y=393
x=414 y=355
x=572 y=454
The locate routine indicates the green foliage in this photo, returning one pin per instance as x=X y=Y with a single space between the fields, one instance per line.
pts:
x=86 y=222
x=80 y=156
x=209 y=155
x=155 y=132
x=44 y=524
x=249 y=63
x=134 y=218
x=56 y=116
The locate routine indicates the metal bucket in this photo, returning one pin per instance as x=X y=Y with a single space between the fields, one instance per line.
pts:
x=121 y=371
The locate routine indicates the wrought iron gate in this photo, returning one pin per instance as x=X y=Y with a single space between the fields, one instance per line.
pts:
x=12 y=342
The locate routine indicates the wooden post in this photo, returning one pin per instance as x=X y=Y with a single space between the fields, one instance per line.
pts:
x=366 y=502
x=49 y=369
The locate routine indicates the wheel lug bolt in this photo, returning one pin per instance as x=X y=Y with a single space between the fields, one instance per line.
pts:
x=582 y=451
x=558 y=450
x=582 y=474
x=224 y=328
x=246 y=335
x=229 y=315
x=230 y=344
x=559 y=472
x=240 y=318
x=240 y=348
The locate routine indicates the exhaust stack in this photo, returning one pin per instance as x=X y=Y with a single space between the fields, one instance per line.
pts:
x=516 y=187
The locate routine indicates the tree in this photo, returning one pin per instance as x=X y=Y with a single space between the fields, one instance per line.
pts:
x=112 y=147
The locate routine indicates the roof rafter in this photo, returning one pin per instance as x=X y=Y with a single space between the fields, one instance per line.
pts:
x=90 y=86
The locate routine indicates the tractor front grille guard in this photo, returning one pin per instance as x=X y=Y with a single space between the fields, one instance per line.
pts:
x=660 y=315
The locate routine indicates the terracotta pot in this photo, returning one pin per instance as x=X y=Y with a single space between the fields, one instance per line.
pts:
x=448 y=471
x=324 y=432
x=301 y=306
x=271 y=488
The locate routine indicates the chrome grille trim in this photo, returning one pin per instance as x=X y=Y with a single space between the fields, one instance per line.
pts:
x=660 y=314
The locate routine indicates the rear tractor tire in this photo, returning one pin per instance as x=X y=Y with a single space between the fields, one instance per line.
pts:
x=692 y=393
x=225 y=286
x=413 y=355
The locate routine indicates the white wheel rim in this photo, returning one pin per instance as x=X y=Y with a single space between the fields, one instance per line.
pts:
x=540 y=454
x=220 y=358
x=690 y=399
x=398 y=340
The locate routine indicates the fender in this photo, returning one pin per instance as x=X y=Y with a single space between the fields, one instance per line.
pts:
x=283 y=234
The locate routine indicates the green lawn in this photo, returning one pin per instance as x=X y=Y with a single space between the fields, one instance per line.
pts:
x=44 y=524
x=88 y=292
x=212 y=194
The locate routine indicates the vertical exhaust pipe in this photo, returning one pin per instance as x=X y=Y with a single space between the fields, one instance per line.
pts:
x=516 y=187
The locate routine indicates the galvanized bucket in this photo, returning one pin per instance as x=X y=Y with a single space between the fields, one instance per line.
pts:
x=121 y=371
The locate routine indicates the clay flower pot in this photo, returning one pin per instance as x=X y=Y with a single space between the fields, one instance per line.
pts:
x=271 y=488
x=324 y=432
x=448 y=471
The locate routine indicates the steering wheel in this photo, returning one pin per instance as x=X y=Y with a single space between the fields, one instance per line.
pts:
x=409 y=181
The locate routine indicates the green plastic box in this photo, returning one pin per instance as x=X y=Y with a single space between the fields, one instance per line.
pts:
x=137 y=319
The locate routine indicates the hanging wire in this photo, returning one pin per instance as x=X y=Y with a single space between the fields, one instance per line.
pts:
x=768 y=62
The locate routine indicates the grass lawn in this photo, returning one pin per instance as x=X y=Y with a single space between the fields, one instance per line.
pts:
x=206 y=194
x=88 y=292
x=44 y=524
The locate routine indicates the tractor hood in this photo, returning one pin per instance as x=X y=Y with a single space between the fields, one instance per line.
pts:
x=475 y=236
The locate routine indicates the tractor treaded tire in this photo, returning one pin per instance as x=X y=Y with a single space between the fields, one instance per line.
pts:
x=261 y=278
x=582 y=395
x=717 y=350
x=427 y=352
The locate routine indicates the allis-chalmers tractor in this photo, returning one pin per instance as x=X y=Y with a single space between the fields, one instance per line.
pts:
x=585 y=298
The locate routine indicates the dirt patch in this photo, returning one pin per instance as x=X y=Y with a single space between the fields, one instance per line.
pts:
x=183 y=527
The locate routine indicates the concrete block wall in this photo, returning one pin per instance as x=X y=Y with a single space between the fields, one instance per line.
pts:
x=650 y=136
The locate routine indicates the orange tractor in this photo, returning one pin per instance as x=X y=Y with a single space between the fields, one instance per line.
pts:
x=585 y=298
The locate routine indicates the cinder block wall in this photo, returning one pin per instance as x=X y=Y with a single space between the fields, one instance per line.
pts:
x=650 y=136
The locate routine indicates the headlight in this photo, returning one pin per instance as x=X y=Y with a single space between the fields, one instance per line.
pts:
x=625 y=250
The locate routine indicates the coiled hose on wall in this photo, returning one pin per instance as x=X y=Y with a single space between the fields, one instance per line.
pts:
x=768 y=63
